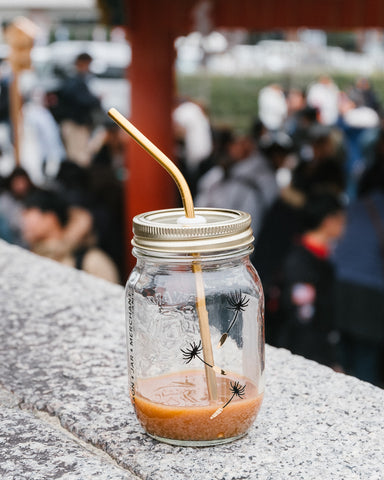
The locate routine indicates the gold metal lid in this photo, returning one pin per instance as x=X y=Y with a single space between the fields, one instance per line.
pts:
x=212 y=230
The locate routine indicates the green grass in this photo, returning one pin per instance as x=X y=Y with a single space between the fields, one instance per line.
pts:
x=232 y=101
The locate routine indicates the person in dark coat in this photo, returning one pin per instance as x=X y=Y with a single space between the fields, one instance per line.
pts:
x=80 y=106
x=281 y=227
x=4 y=99
x=359 y=260
x=323 y=169
x=308 y=282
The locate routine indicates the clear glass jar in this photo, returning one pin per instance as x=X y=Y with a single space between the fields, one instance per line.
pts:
x=191 y=386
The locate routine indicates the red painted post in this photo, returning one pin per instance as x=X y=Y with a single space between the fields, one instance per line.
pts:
x=148 y=186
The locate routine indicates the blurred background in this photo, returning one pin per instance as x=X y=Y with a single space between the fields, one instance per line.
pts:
x=205 y=64
x=267 y=107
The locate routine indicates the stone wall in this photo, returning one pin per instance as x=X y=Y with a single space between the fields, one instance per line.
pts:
x=65 y=410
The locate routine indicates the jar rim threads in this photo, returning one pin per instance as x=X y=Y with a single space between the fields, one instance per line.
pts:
x=160 y=231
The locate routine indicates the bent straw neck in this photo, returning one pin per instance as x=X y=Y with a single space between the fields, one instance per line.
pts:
x=160 y=157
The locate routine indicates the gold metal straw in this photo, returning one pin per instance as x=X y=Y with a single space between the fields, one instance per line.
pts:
x=186 y=197
x=158 y=155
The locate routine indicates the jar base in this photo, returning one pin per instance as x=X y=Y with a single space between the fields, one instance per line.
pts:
x=196 y=443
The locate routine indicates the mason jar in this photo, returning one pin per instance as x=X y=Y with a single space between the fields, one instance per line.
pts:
x=195 y=326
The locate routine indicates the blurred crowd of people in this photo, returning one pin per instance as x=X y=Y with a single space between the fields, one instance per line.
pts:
x=64 y=199
x=311 y=174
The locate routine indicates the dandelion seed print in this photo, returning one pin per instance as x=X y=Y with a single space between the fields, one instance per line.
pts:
x=237 y=303
x=194 y=351
x=237 y=390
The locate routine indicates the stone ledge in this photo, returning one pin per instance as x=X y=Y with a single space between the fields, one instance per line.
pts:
x=35 y=447
x=62 y=351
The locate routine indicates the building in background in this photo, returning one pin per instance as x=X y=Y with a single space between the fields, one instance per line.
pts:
x=57 y=20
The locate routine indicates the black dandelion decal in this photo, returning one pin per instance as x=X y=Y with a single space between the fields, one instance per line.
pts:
x=237 y=303
x=194 y=351
x=237 y=390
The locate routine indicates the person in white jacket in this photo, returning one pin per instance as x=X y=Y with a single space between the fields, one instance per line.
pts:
x=193 y=129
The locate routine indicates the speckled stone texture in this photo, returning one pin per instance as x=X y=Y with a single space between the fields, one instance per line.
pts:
x=32 y=448
x=65 y=411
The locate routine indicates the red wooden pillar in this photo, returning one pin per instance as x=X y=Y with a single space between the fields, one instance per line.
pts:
x=148 y=186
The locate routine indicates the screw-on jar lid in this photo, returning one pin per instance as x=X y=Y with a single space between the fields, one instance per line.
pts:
x=212 y=230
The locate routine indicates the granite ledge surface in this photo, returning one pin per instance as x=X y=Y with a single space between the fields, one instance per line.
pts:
x=33 y=445
x=65 y=411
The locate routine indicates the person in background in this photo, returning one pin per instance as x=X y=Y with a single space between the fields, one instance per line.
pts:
x=41 y=149
x=281 y=228
x=193 y=133
x=244 y=180
x=108 y=146
x=4 y=98
x=296 y=103
x=222 y=137
x=96 y=191
x=5 y=229
x=359 y=124
x=45 y=219
x=322 y=168
x=324 y=96
x=17 y=186
x=107 y=192
x=363 y=86
x=308 y=282
x=300 y=128
x=273 y=108
x=79 y=107
x=276 y=146
x=359 y=261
